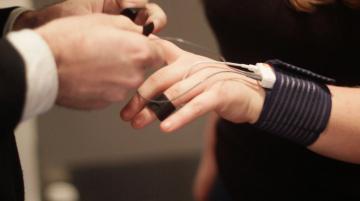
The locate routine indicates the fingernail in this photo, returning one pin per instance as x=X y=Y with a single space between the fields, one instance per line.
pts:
x=148 y=29
x=167 y=125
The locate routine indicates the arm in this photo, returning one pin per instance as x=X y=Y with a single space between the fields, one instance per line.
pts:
x=41 y=67
x=239 y=100
x=4 y=16
x=341 y=138
x=207 y=170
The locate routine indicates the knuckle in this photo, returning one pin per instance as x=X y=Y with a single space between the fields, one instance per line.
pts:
x=154 y=81
x=175 y=91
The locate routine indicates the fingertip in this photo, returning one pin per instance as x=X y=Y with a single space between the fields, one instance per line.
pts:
x=160 y=23
x=156 y=15
x=136 y=124
x=124 y=115
x=167 y=126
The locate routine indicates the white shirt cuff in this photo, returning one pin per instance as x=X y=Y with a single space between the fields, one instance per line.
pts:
x=9 y=25
x=41 y=72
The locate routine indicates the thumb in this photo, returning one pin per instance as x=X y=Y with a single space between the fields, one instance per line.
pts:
x=170 y=51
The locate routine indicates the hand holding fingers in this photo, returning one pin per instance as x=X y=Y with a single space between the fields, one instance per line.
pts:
x=158 y=81
x=180 y=62
x=111 y=62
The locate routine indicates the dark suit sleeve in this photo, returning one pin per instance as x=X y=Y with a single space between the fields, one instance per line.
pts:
x=4 y=14
x=12 y=86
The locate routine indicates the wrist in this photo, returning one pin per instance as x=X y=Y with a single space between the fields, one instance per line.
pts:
x=257 y=104
x=46 y=34
x=40 y=71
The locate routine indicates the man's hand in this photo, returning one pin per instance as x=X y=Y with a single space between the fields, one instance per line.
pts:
x=150 y=13
x=99 y=57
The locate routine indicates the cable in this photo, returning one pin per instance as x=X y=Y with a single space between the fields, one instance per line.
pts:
x=247 y=74
x=251 y=71
x=194 y=45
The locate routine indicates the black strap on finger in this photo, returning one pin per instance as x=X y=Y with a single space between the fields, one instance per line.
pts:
x=162 y=107
x=131 y=13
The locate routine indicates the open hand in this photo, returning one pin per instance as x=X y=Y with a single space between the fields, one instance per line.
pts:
x=232 y=96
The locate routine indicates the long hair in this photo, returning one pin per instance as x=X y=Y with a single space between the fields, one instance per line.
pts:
x=310 y=5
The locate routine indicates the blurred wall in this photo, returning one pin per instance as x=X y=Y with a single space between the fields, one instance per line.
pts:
x=76 y=138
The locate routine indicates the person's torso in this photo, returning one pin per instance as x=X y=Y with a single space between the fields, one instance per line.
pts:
x=256 y=165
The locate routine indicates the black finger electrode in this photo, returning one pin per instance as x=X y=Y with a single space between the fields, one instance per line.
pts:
x=162 y=107
x=131 y=13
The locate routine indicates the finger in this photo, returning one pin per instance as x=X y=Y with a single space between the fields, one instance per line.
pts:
x=157 y=16
x=197 y=107
x=171 y=52
x=132 y=3
x=178 y=94
x=152 y=14
x=144 y=118
x=133 y=107
x=154 y=85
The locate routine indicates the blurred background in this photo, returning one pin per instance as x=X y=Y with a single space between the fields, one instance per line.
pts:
x=92 y=156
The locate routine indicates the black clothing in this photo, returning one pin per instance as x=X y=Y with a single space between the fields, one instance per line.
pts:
x=4 y=13
x=257 y=166
x=12 y=97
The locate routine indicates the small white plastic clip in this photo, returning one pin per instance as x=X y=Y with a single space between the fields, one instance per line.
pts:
x=267 y=74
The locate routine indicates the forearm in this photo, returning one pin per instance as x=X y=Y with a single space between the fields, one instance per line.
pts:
x=341 y=138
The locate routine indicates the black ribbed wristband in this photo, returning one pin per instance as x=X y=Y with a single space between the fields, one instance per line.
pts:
x=296 y=108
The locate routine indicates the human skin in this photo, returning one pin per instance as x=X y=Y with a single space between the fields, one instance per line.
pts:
x=151 y=12
x=241 y=101
x=99 y=54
